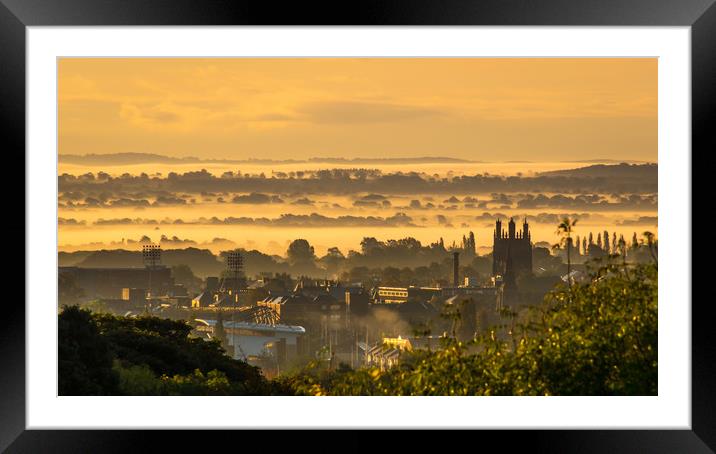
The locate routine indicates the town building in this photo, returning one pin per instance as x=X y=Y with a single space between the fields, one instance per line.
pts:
x=135 y=297
x=357 y=302
x=388 y=352
x=400 y=295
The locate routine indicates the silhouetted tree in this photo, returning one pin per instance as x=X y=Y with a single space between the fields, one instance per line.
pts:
x=651 y=244
x=84 y=357
x=564 y=230
x=578 y=246
x=614 y=242
x=622 y=246
x=300 y=253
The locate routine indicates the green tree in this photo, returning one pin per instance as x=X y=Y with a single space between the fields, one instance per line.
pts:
x=137 y=380
x=107 y=354
x=84 y=357
x=97 y=306
x=214 y=383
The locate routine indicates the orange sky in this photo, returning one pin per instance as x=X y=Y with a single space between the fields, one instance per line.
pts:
x=480 y=109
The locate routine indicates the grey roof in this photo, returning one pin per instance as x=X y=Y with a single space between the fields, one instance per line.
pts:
x=295 y=329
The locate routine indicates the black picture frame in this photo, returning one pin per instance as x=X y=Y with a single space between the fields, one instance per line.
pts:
x=700 y=15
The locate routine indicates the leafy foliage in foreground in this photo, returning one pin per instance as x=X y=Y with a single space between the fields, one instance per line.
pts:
x=106 y=354
x=599 y=338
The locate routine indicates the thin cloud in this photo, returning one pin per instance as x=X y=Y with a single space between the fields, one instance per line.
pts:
x=350 y=112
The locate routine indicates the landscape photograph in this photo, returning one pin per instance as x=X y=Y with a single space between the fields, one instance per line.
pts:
x=357 y=226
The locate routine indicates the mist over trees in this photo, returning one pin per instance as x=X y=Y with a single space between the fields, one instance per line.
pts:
x=625 y=179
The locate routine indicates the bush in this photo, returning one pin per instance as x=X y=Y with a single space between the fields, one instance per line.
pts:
x=108 y=354
x=599 y=338
x=84 y=357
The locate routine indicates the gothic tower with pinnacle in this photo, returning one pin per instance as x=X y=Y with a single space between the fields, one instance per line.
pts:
x=511 y=250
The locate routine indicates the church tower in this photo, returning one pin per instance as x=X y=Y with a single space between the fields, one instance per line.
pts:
x=515 y=245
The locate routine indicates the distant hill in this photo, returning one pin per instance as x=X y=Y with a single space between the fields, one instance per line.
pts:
x=72 y=258
x=150 y=158
x=418 y=160
x=622 y=170
x=202 y=262
x=606 y=161
x=117 y=159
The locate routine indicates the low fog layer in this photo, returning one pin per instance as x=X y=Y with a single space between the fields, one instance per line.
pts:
x=620 y=179
x=317 y=220
x=269 y=208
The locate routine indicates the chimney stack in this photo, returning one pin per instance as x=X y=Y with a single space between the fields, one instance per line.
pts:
x=455 y=269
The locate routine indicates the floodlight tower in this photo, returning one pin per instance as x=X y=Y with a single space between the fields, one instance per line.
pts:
x=234 y=264
x=152 y=258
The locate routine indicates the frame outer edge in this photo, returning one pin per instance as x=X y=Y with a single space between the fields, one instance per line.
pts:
x=12 y=115
x=703 y=110
x=12 y=120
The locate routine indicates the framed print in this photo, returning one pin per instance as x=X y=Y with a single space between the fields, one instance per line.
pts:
x=361 y=222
